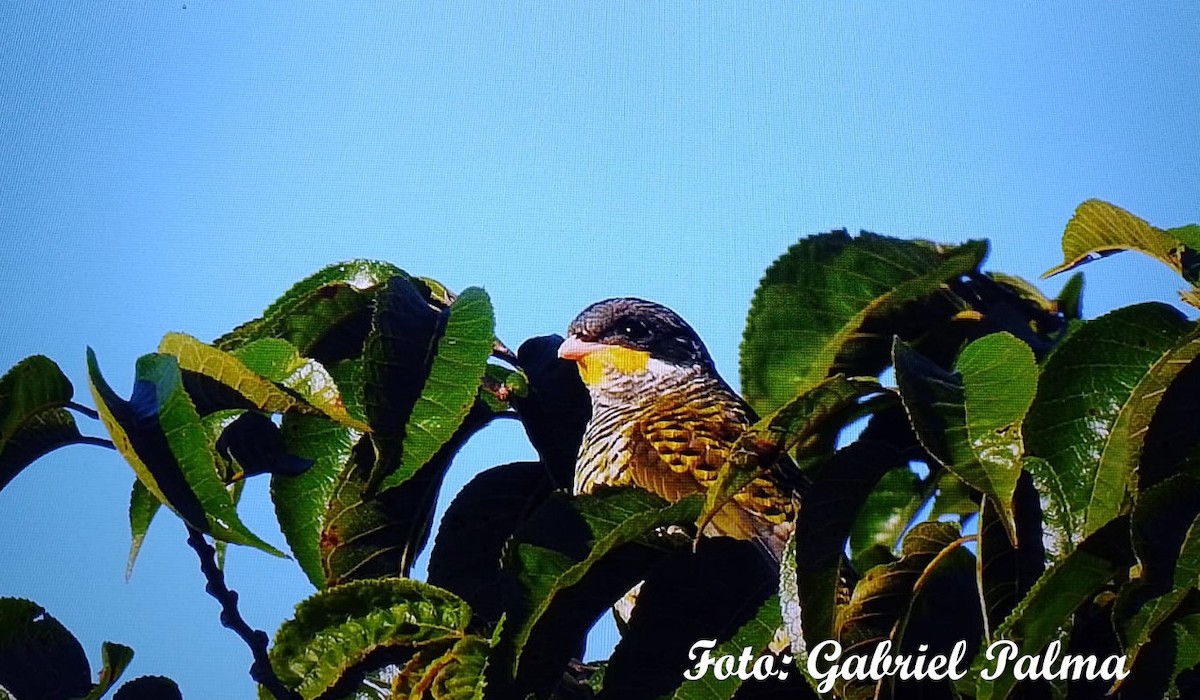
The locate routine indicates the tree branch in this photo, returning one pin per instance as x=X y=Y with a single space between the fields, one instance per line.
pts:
x=261 y=670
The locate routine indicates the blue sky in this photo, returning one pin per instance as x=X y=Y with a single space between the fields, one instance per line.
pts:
x=176 y=166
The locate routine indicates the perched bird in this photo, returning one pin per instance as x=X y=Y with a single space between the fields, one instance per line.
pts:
x=663 y=419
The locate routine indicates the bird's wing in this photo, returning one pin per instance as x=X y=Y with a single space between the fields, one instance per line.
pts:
x=679 y=451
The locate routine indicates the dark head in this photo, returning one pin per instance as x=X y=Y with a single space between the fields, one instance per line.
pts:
x=647 y=329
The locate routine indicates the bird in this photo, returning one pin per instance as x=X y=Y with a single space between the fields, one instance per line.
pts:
x=664 y=420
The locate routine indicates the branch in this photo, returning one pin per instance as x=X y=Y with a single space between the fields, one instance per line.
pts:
x=261 y=670
x=89 y=412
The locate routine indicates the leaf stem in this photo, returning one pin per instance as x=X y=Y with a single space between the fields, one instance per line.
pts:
x=98 y=442
x=80 y=408
x=261 y=670
x=500 y=351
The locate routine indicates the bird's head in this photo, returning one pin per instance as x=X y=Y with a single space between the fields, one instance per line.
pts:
x=627 y=337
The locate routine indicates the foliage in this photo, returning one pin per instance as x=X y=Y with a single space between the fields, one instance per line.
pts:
x=1032 y=476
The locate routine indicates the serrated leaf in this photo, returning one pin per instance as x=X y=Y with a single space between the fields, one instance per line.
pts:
x=307 y=379
x=809 y=422
x=396 y=359
x=115 y=658
x=33 y=422
x=885 y=516
x=301 y=500
x=1082 y=420
x=1006 y=572
x=457 y=368
x=317 y=315
x=149 y=688
x=142 y=508
x=970 y=419
x=883 y=603
x=832 y=303
x=1098 y=229
x=39 y=657
x=160 y=435
x=330 y=641
x=1055 y=596
x=1070 y=299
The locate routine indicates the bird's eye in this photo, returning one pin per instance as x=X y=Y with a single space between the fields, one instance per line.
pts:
x=634 y=330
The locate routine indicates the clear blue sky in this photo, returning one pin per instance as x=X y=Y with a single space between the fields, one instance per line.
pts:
x=171 y=168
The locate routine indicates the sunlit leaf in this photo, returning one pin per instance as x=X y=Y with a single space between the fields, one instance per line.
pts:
x=142 y=508
x=1088 y=405
x=832 y=303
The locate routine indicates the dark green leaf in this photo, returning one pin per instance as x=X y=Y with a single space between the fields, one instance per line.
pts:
x=1088 y=402
x=149 y=688
x=832 y=505
x=396 y=360
x=39 y=658
x=345 y=631
x=1055 y=596
x=472 y=536
x=832 y=303
x=885 y=516
x=33 y=421
x=1070 y=299
x=970 y=420
x=1007 y=572
x=555 y=408
x=451 y=385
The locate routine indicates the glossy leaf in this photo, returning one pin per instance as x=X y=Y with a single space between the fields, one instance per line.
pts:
x=970 y=419
x=304 y=378
x=318 y=314
x=1056 y=595
x=33 y=422
x=160 y=434
x=301 y=500
x=330 y=642
x=832 y=303
x=451 y=385
x=1081 y=420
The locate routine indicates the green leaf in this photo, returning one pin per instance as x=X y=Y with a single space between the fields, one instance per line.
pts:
x=301 y=500
x=142 y=508
x=1070 y=299
x=307 y=379
x=832 y=303
x=613 y=518
x=1088 y=405
x=458 y=366
x=33 y=395
x=885 y=516
x=1049 y=605
x=160 y=435
x=1007 y=572
x=832 y=505
x=1062 y=526
x=115 y=659
x=315 y=312
x=149 y=688
x=396 y=359
x=335 y=634
x=39 y=658
x=1099 y=229
x=809 y=422
x=883 y=604
x=756 y=634
x=970 y=420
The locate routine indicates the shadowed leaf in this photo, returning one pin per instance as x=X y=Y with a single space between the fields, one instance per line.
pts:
x=39 y=658
x=33 y=422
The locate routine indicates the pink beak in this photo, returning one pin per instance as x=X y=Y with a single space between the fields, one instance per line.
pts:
x=575 y=349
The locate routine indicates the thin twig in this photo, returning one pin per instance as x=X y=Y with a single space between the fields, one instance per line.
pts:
x=261 y=670
x=98 y=442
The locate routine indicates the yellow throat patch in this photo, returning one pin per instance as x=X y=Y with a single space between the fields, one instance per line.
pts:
x=623 y=360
